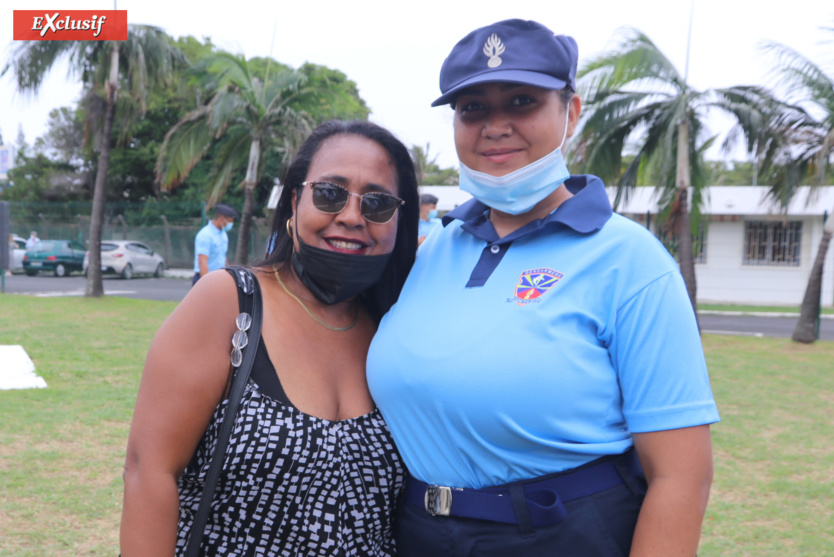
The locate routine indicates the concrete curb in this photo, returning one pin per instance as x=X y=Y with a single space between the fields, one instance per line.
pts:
x=757 y=314
x=178 y=273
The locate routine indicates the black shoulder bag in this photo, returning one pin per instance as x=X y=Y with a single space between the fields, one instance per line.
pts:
x=252 y=309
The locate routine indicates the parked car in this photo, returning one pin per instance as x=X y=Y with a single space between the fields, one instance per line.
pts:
x=17 y=253
x=127 y=258
x=59 y=256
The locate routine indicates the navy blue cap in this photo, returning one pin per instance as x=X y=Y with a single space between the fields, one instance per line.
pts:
x=428 y=199
x=514 y=51
x=226 y=211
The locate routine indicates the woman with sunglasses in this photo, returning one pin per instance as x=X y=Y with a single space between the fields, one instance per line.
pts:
x=564 y=406
x=310 y=468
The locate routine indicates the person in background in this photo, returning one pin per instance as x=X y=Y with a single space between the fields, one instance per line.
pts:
x=212 y=242
x=311 y=469
x=428 y=216
x=564 y=407
x=32 y=241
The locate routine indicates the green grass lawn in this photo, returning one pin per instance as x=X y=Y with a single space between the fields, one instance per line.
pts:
x=62 y=448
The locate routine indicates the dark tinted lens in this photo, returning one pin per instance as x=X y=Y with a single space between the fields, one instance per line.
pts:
x=379 y=207
x=329 y=198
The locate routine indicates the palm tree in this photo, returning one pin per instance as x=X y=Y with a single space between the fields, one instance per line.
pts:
x=428 y=171
x=248 y=116
x=146 y=59
x=813 y=153
x=634 y=94
x=420 y=157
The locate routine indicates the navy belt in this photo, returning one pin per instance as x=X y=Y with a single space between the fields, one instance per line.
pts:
x=544 y=497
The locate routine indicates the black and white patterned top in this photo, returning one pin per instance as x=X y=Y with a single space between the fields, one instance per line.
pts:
x=293 y=484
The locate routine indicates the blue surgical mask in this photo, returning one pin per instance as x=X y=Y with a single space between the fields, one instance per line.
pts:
x=228 y=226
x=433 y=214
x=520 y=190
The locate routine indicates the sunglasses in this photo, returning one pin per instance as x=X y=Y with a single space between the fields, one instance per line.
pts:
x=375 y=207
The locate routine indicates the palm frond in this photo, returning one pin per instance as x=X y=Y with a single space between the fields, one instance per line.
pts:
x=230 y=68
x=224 y=108
x=636 y=62
x=31 y=61
x=232 y=157
x=285 y=87
x=785 y=140
x=183 y=147
x=129 y=112
x=634 y=90
x=150 y=59
x=804 y=80
x=610 y=124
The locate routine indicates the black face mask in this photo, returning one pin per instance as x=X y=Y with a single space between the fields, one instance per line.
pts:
x=333 y=276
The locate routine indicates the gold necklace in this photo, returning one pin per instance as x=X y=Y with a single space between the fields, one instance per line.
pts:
x=310 y=313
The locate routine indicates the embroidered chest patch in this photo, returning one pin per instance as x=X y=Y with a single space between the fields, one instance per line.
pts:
x=534 y=284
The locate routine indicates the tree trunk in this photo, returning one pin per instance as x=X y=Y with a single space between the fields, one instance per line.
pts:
x=95 y=288
x=806 y=327
x=242 y=255
x=685 y=255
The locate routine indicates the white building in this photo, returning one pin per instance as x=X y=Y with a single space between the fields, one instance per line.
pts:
x=751 y=253
x=448 y=197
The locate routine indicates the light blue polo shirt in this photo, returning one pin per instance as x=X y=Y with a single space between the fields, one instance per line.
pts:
x=508 y=359
x=213 y=242
x=424 y=227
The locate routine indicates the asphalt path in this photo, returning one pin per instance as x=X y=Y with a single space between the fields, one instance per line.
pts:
x=758 y=325
x=174 y=288
x=45 y=285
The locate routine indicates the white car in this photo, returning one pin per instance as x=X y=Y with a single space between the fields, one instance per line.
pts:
x=127 y=258
x=18 y=253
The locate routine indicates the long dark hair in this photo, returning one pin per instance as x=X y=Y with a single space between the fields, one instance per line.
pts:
x=380 y=297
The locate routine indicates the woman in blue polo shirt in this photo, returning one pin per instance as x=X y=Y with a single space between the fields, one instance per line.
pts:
x=564 y=406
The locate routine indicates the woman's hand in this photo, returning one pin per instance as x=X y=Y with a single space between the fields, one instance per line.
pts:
x=678 y=468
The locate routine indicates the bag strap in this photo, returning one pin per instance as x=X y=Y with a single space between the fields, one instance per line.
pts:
x=253 y=306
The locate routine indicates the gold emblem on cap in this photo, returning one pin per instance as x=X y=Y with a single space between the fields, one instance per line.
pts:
x=494 y=48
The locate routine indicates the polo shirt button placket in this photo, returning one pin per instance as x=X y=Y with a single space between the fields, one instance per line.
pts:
x=490 y=258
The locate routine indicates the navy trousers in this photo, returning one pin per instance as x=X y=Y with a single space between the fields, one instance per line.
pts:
x=599 y=525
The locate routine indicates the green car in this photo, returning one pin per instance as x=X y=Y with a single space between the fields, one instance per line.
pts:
x=59 y=256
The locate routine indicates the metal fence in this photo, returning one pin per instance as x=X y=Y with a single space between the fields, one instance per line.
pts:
x=168 y=228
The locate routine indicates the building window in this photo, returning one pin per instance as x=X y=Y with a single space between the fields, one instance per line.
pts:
x=772 y=242
x=699 y=243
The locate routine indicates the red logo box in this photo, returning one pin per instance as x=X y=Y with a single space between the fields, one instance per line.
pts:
x=70 y=25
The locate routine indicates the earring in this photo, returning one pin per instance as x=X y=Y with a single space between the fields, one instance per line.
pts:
x=289 y=230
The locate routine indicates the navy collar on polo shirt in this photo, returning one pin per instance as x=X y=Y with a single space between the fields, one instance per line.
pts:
x=586 y=212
